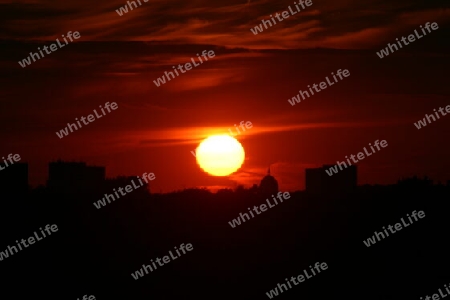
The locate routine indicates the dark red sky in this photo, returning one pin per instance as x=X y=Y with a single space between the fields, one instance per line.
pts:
x=250 y=78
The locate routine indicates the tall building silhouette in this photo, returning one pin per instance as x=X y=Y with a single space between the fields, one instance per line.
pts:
x=318 y=181
x=74 y=176
x=268 y=185
x=314 y=179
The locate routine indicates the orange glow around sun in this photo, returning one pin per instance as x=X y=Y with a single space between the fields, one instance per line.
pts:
x=220 y=155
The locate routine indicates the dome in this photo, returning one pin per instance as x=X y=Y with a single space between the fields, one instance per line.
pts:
x=268 y=185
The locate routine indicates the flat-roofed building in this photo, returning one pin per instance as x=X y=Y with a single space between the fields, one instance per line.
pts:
x=75 y=176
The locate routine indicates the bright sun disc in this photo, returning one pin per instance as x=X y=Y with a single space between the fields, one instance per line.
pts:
x=220 y=155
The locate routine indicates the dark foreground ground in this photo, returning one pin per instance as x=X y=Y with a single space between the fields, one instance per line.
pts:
x=95 y=251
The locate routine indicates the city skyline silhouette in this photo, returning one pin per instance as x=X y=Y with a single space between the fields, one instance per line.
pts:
x=224 y=149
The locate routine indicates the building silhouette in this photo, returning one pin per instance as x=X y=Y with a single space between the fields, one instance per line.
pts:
x=74 y=176
x=318 y=181
x=314 y=179
x=268 y=185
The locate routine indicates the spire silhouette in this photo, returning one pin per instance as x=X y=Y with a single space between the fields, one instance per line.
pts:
x=268 y=185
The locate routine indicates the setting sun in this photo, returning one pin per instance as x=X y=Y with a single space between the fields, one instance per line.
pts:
x=220 y=155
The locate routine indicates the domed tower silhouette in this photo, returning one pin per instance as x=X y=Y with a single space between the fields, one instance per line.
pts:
x=268 y=185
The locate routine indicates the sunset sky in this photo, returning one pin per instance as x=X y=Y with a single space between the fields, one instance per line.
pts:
x=250 y=79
